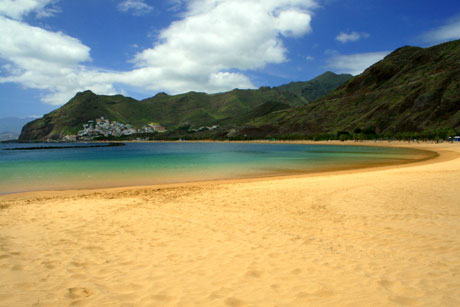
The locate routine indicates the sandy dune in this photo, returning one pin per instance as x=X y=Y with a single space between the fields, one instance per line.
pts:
x=379 y=237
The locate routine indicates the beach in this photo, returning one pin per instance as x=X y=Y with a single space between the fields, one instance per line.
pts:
x=383 y=236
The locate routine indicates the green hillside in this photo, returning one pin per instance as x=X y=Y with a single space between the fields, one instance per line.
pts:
x=230 y=109
x=316 y=88
x=412 y=91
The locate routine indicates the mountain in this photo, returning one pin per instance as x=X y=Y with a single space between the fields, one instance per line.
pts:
x=230 y=109
x=316 y=88
x=412 y=91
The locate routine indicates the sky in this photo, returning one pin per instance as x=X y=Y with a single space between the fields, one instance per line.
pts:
x=52 y=49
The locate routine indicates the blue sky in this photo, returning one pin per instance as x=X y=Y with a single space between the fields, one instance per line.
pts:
x=51 y=49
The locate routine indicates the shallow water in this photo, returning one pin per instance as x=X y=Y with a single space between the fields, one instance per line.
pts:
x=159 y=163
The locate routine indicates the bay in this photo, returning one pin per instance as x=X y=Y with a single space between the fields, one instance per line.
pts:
x=160 y=163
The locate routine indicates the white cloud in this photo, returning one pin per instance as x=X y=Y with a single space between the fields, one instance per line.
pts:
x=217 y=36
x=207 y=50
x=293 y=23
x=447 y=32
x=22 y=43
x=48 y=11
x=176 y=5
x=351 y=37
x=136 y=7
x=355 y=63
x=17 y=9
x=45 y=60
x=220 y=81
x=309 y=58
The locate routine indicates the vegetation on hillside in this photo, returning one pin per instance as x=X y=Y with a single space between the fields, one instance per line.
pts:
x=412 y=93
x=193 y=110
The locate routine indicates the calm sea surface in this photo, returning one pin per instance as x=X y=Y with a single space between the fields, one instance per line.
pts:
x=157 y=163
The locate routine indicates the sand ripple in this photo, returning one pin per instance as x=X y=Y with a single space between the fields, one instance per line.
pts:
x=381 y=238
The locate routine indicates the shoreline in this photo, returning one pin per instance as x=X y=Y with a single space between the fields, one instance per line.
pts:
x=384 y=236
x=422 y=147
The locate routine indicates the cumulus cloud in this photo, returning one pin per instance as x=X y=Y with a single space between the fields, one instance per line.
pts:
x=136 y=7
x=245 y=35
x=208 y=49
x=355 y=63
x=351 y=37
x=17 y=9
x=447 y=32
x=293 y=23
x=49 y=61
x=22 y=43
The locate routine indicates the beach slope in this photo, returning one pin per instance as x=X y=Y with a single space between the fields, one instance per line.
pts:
x=381 y=237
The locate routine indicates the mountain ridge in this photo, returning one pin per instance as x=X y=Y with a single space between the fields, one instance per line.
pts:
x=193 y=109
x=413 y=90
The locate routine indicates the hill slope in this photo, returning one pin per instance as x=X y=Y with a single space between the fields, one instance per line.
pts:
x=195 y=109
x=412 y=90
x=316 y=88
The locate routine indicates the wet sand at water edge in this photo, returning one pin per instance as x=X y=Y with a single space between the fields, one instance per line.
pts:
x=387 y=236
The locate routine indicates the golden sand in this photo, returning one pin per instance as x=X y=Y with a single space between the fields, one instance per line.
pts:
x=377 y=237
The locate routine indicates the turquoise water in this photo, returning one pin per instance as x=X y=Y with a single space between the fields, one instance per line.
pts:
x=158 y=163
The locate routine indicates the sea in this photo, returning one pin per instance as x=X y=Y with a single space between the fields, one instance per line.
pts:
x=138 y=164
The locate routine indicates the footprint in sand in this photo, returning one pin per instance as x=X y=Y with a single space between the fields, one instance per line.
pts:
x=296 y=271
x=234 y=302
x=385 y=284
x=48 y=264
x=254 y=273
x=16 y=267
x=77 y=293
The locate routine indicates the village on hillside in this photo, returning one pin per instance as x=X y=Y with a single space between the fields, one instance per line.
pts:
x=103 y=127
